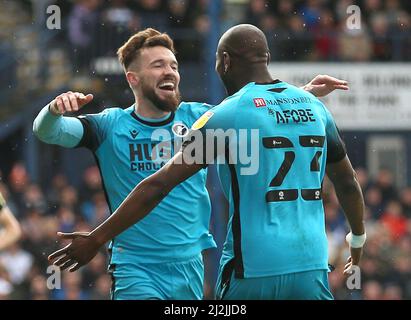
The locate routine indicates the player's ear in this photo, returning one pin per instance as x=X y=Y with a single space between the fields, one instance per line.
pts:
x=132 y=78
x=226 y=61
x=268 y=58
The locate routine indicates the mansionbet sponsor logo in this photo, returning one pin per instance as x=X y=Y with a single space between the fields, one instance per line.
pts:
x=259 y=102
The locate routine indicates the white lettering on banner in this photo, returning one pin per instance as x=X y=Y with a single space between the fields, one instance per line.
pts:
x=379 y=96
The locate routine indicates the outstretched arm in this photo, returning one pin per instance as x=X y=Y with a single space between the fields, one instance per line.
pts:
x=323 y=85
x=144 y=198
x=50 y=126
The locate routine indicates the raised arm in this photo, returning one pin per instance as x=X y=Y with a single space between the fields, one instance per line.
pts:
x=50 y=126
x=323 y=85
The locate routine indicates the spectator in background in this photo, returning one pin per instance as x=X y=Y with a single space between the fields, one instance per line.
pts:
x=402 y=265
x=32 y=226
x=202 y=25
x=33 y=198
x=385 y=262
x=386 y=265
x=38 y=288
x=325 y=36
x=6 y=288
x=374 y=203
x=119 y=21
x=394 y=220
x=102 y=288
x=392 y=11
x=370 y=269
x=10 y=230
x=82 y=23
x=284 y=10
x=405 y=196
x=338 y=285
x=385 y=182
x=179 y=13
x=382 y=48
x=23 y=266
x=234 y=12
x=181 y=20
x=401 y=37
x=362 y=177
x=275 y=34
x=39 y=234
x=311 y=12
x=401 y=275
x=256 y=10
x=152 y=14
x=17 y=262
x=67 y=219
x=91 y=184
x=58 y=183
x=97 y=210
x=96 y=268
x=69 y=198
x=392 y=292
x=372 y=290
x=120 y=15
x=100 y=209
x=18 y=181
x=370 y=8
x=71 y=287
x=354 y=45
x=298 y=44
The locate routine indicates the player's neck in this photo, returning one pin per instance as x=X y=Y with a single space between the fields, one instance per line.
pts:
x=260 y=75
x=147 y=109
x=255 y=75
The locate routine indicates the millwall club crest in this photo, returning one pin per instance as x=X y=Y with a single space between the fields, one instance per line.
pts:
x=180 y=129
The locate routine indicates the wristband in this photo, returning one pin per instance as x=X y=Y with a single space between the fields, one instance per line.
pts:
x=356 y=241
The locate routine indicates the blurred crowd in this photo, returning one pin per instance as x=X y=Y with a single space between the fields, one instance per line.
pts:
x=314 y=30
x=386 y=263
x=82 y=53
x=24 y=273
x=319 y=30
x=97 y=28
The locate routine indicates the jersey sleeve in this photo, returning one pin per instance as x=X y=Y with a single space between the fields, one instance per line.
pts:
x=210 y=132
x=96 y=129
x=194 y=110
x=336 y=149
x=55 y=129
x=219 y=117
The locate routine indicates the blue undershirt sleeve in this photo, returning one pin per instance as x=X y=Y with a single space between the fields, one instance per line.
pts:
x=63 y=131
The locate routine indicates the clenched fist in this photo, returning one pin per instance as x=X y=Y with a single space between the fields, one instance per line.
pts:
x=69 y=102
